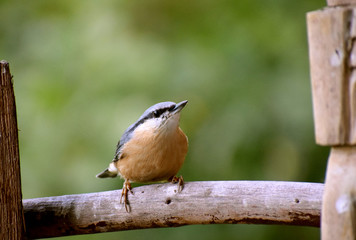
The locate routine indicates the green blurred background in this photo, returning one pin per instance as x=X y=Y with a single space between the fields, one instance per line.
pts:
x=85 y=70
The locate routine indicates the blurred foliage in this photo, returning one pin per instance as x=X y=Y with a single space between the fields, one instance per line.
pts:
x=85 y=70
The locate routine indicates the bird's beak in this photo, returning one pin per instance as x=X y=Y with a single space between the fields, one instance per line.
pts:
x=179 y=107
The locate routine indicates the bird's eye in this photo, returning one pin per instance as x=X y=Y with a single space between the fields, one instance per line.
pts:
x=156 y=113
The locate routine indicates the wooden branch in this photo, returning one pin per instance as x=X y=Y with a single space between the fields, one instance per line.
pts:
x=330 y=34
x=332 y=54
x=339 y=201
x=332 y=45
x=11 y=214
x=159 y=205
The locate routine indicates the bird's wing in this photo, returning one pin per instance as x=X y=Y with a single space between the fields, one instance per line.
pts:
x=124 y=139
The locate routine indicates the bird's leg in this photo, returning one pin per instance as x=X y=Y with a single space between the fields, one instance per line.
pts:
x=125 y=189
x=178 y=180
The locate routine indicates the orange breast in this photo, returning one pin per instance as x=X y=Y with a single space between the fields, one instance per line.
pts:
x=152 y=157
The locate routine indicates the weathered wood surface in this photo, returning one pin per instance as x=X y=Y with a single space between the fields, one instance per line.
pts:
x=332 y=52
x=339 y=205
x=330 y=35
x=159 y=205
x=340 y=2
x=11 y=214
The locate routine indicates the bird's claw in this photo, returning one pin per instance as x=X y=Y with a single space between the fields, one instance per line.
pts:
x=180 y=182
x=125 y=189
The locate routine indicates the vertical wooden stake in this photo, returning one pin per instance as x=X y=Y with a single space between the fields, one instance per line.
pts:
x=332 y=53
x=339 y=200
x=11 y=210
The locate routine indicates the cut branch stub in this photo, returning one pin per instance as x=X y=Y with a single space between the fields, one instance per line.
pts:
x=332 y=34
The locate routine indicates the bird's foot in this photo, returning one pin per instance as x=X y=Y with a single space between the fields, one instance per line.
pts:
x=180 y=182
x=125 y=189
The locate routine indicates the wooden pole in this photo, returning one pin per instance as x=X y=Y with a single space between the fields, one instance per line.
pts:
x=332 y=53
x=159 y=205
x=11 y=211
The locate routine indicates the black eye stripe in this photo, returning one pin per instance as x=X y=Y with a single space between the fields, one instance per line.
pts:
x=154 y=111
x=158 y=112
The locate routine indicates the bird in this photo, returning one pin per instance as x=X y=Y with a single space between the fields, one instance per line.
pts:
x=153 y=149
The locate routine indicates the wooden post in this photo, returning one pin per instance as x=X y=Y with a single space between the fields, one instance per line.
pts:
x=11 y=210
x=332 y=52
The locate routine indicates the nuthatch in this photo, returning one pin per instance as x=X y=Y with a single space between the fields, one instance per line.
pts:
x=152 y=149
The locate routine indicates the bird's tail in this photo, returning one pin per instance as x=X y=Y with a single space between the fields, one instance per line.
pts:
x=111 y=171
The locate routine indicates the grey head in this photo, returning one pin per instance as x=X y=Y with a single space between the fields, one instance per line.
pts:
x=159 y=110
